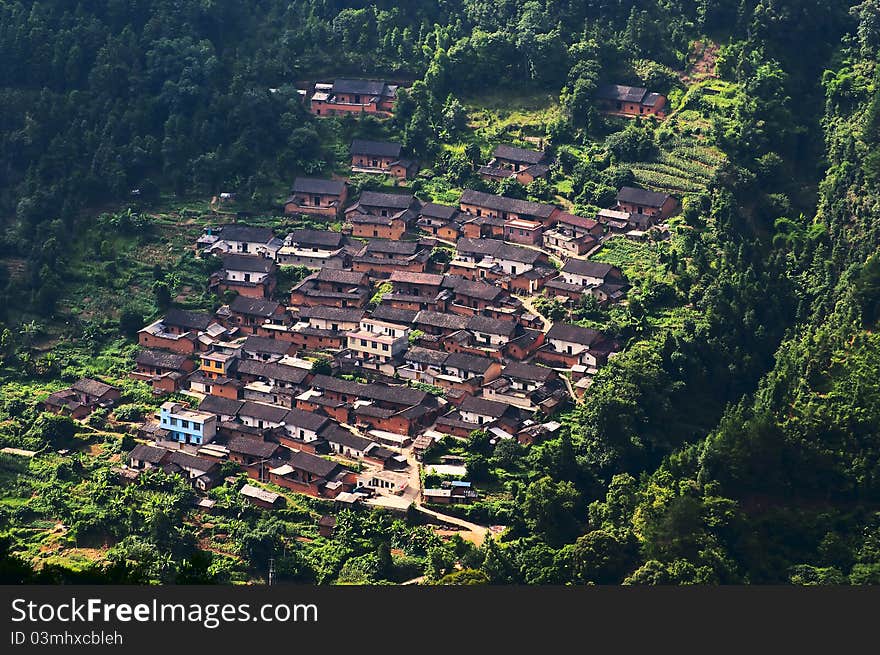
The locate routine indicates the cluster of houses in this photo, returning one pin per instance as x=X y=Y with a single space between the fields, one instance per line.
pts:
x=385 y=346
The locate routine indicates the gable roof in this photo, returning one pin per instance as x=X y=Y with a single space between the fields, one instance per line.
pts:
x=392 y=247
x=365 y=87
x=435 y=210
x=339 y=276
x=409 y=277
x=187 y=320
x=318 y=185
x=91 y=387
x=388 y=313
x=272 y=371
x=336 y=434
x=441 y=320
x=265 y=345
x=498 y=249
x=145 y=453
x=313 y=464
x=574 y=334
x=324 y=238
x=252 y=447
x=238 y=232
x=512 y=153
x=328 y=313
x=489 y=325
x=621 y=93
x=505 y=204
x=576 y=221
x=220 y=406
x=306 y=420
x=160 y=359
x=250 y=263
x=467 y=362
x=530 y=372
x=635 y=196
x=397 y=394
x=390 y=200
x=483 y=407
x=377 y=148
x=587 y=268
x=264 y=412
x=254 y=306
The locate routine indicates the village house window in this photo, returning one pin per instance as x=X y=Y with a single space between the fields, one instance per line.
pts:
x=316 y=200
x=357 y=99
x=384 y=212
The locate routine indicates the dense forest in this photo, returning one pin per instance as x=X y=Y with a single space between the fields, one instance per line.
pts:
x=740 y=448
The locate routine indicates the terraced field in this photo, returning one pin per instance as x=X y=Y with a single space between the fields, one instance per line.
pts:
x=685 y=166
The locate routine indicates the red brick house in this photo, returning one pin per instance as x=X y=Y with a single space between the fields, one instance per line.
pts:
x=381 y=157
x=518 y=230
x=316 y=197
x=352 y=96
x=166 y=371
x=477 y=203
x=252 y=276
x=247 y=314
x=178 y=331
x=630 y=101
x=645 y=207
x=509 y=161
x=81 y=398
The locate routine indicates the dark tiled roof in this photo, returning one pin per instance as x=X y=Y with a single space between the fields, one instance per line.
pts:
x=434 y=210
x=236 y=232
x=389 y=200
x=387 y=313
x=632 y=195
x=160 y=359
x=621 y=93
x=577 y=221
x=441 y=320
x=254 y=306
x=252 y=447
x=320 y=238
x=482 y=406
x=251 y=263
x=397 y=394
x=185 y=460
x=490 y=325
x=338 y=435
x=272 y=371
x=342 y=314
x=220 y=406
x=261 y=411
x=362 y=87
x=339 y=276
x=574 y=334
x=473 y=288
x=408 y=277
x=298 y=418
x=505 y=204
x=587 y=268
x=392 y=247
x=313 y=464
x=266 y=345
x=470 y=363
x=91 y=387
x=144 y=453
x=187 y=320
x=531 y=372
x=318 y=186
x=377 y=148
x=522 y=155
x=498 y=249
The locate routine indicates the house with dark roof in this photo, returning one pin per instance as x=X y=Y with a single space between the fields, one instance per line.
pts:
x=572 y=235
x=382 y=215
x=585 y=273
x=477 y=203
x=568 y=345
x=143 y=457
x=314 y=249
x=241 y=239
x=246 y=451
x=493 y=258
x=178 y=331
x=226 y=409
x=528 y=386
x=164 y=370
x=645 y=207
x=441 y=221
x=312 y=475
x=630 y=101
x=381 y=257
x=332 y=287
x=353 y=96
x=345 y=443
x=247 y=314
x=252 y=276
x=262 y=415
x=381 y=157
x=509 y=161
x=316 y=197
x=81 y=398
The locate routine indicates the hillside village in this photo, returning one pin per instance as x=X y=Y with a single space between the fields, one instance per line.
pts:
x=412 y=324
